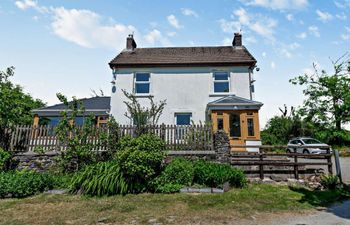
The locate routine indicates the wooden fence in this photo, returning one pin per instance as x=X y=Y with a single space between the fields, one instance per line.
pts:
x=289 y=162
x=44 y=138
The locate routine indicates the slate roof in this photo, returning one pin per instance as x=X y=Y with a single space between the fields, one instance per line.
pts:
x=184 y=56
x=232 y=102
x=96 y=105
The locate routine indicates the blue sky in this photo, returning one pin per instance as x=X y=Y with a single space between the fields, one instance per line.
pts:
x=64 y=46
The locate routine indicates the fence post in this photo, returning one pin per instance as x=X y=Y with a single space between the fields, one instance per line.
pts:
x=337 y=165
x=329 y=160
x=261 y=166
x=296 y=168
x=162 y=131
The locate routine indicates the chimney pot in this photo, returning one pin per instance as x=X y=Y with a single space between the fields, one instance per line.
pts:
x=237 y=40
x=130 y=43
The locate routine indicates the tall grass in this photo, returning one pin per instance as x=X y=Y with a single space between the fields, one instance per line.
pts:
x=103 y=178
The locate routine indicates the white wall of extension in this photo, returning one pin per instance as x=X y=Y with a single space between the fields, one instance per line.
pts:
x=186 y=90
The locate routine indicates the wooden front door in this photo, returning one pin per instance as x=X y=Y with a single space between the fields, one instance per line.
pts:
x=240 y=125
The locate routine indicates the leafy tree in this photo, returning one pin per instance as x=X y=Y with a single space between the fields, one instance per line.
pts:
x=15 y=105
x=279 y=129
x=79 y=150
x=327 y=95
x=140 y=115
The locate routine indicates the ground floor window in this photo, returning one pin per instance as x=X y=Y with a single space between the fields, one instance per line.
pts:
x=183 y=118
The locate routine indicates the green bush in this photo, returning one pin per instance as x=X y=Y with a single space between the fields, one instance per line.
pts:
x=4 y=158
x=215 y=174
x=140 y=159
x=178 y=173
x=22 y=184
x=330 y=181
x=103 y=178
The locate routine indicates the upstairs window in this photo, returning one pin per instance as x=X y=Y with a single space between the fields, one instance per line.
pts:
x=142 y=82
x=221 y=82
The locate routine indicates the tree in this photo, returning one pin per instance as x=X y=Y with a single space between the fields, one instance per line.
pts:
x=280 y=129
x=76 y=139
x=140 y=115
x=327 y=95
x=15 y=105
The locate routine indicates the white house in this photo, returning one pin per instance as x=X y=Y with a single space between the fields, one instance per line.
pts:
x=198 y=83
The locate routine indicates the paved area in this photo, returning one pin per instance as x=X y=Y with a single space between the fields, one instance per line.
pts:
x=344 y=164
x=336 y=215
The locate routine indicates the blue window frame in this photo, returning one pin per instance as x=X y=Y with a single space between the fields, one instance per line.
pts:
x=221 y=82
x=142 y=83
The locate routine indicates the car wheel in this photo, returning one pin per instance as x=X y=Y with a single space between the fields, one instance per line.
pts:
x=306 y=151
x=289 y=151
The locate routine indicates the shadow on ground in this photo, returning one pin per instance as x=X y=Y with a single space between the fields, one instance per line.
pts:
x=326 y=198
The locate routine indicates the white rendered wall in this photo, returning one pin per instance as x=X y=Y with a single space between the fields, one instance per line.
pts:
x=186 y=90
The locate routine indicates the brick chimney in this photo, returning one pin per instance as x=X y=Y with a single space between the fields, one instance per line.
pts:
x=237 y=40
x=130 y=43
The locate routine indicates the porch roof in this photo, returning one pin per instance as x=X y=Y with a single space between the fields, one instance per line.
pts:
x=233 y=102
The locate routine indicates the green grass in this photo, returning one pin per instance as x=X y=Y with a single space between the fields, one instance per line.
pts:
x=166 y=208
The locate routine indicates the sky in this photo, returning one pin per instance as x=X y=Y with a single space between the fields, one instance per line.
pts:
x=65 y=46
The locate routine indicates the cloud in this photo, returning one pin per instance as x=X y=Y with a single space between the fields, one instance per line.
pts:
x=155 y=36
x=341 y=16
x=345 y=37
x=290 y=17
x=257 y=23
x=342 y=4
x=189 y=12
x=86 y=28
x=324 y=16
x=302 y=35
x=174 y=22
x=277 y=4
x=27 y=4
x=347 y=28
x=171 y=34
x=263 y=54
x=314 y=31
x=273 y=65
x=229 y=26
x=227 y=41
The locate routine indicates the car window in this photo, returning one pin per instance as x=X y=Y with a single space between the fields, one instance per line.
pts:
x=309 y=141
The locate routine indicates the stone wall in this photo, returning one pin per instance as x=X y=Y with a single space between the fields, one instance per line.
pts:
x=34 y=161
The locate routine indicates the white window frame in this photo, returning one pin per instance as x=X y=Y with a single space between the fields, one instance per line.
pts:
x=222 y=81
x=142 y=82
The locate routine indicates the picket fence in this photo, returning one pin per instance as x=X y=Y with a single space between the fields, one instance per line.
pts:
x=43 y=138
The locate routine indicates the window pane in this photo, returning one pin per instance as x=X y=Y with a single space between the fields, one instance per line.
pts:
x=250 y=123
x=142 y=77
x=221 y=87
x=235 y=125
x=220 y=124
x=183 y=119
x=142 y=88
x=221 y=76
x=79 y=121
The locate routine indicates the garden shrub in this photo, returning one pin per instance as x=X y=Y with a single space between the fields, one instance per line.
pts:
x=5 y=157
x=329 y=181
x=178 y=173
x=19 y=184
x=103 y=178
x=140 y=159
x=215 y=174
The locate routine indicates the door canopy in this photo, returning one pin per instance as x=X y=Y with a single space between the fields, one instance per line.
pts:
x=233 y=102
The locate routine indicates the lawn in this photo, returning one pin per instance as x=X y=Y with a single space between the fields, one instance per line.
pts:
x=237 y=204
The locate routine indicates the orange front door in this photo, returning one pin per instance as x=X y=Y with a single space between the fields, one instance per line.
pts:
x=239 y=125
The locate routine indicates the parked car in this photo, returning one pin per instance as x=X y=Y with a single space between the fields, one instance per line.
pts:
x=307 y=145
